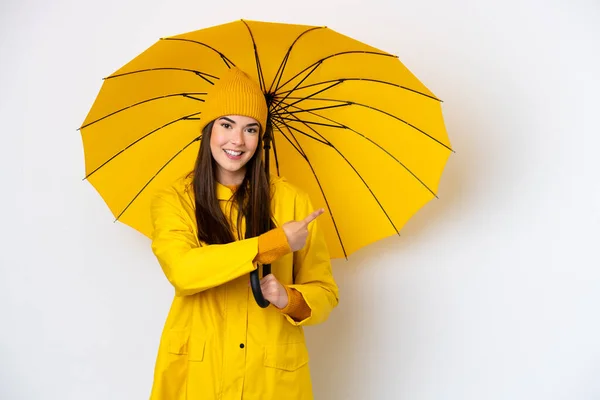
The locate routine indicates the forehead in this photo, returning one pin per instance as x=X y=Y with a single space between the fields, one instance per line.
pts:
x=240 y=119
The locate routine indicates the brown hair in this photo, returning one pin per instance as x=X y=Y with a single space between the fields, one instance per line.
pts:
x=252 y=198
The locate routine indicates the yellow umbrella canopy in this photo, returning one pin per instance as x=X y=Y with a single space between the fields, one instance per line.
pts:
x=351 y=125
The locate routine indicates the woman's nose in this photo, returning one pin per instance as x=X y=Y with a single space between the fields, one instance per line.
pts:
x=237 y=137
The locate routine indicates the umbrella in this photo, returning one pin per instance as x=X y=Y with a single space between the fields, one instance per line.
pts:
x=348 y=123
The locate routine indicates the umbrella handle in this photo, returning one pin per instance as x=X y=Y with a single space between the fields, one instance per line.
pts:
x=255 y=284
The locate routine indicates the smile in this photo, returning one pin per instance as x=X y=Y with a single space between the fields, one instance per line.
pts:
x=233 y=153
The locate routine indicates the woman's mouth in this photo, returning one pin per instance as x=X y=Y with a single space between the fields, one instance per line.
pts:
x=233 y=155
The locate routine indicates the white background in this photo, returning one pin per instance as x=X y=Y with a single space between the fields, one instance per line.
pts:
x=492 y=292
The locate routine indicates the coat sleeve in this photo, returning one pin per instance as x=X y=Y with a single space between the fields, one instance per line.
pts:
x=191 y=268
x=313 y=277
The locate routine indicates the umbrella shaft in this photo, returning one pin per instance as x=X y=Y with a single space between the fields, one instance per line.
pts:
x=267 y=147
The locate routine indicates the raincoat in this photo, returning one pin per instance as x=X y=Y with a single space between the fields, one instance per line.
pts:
x=217 y=343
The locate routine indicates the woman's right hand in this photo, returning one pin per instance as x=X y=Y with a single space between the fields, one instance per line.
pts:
x=297 y=231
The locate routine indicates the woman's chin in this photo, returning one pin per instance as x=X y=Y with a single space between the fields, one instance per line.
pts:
x=232 y=167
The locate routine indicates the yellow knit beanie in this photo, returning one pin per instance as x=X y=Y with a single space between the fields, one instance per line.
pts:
x=235 y=93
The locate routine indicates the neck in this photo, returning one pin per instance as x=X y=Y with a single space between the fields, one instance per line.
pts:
x=229 y=178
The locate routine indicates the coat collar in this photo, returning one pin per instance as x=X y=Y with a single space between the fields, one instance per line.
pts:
x=223 y=192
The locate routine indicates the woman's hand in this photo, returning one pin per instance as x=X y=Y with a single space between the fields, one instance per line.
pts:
x=273 y=291
x=297 y=231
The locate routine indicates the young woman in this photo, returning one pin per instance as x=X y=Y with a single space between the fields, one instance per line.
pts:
x=211 y=229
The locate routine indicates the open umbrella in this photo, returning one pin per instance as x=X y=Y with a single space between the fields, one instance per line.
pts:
x=348 y=123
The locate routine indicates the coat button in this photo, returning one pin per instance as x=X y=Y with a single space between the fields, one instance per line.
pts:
x=241 y=345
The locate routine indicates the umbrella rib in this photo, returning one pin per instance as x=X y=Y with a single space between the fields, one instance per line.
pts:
x=322 y=141
x=321 y=189
x=185 y=95
x=380 y=111
x=201 y=74
x=331 y=56
x=283 y=119
x=289 y=140
x=226 y=60
x=301 y=110
x=364 y=80
x=300 y=99
x=280 y=72
x=283 y=64
x=275 y=153
x=341 y=126
x=184 y=118
x=258 y=66
x=155 y=175
x=194 y=98
x=298 y=84
x=357 y=173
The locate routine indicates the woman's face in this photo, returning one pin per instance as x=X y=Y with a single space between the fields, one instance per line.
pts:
x=233 y=142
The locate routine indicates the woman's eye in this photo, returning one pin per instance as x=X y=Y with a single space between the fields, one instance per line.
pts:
x=225 y=125
x=251 y=130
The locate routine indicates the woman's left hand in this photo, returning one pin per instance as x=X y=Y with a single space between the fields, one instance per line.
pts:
x=273 y=291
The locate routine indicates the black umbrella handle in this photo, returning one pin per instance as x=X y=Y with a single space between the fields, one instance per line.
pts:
x=255 y=284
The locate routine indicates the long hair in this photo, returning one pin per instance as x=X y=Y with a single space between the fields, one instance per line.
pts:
x=252 y=198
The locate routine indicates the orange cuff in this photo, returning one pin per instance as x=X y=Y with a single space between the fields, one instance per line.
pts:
x=296 y=307
x=272 y=245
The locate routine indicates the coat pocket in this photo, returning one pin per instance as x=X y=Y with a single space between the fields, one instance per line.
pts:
x=181 y=342
x=288 y=357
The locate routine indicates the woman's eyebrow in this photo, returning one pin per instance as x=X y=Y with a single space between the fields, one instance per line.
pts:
x=228 y=120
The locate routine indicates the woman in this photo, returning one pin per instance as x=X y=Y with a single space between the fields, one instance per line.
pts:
x=211 y=229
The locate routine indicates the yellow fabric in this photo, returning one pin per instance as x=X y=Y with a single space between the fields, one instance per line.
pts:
x=365 y=121
x=213 y=311
x=235 y=94
x=272 y=245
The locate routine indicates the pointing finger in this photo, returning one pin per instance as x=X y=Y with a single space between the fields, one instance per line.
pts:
x=313 y=216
